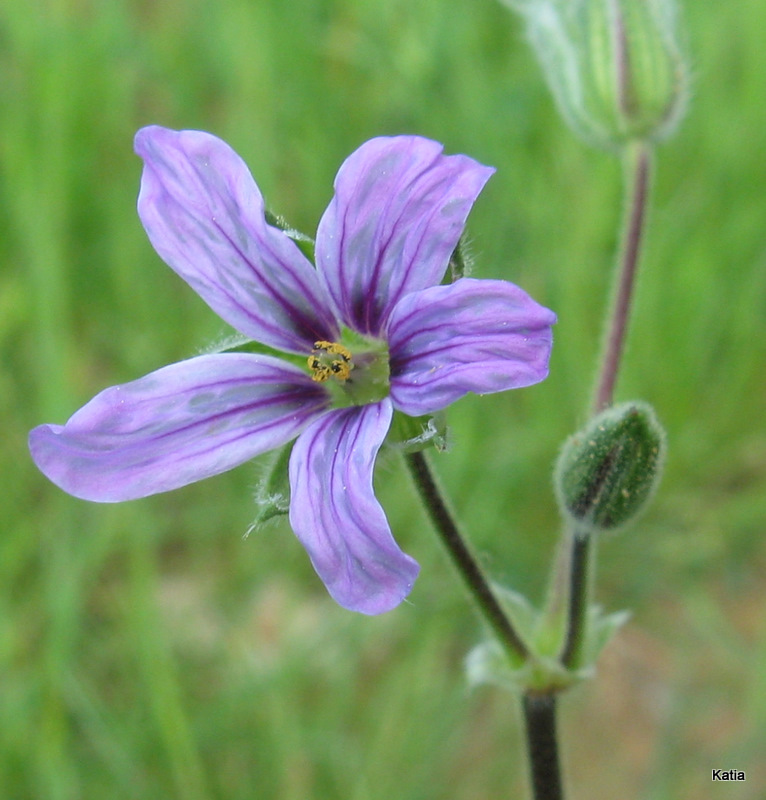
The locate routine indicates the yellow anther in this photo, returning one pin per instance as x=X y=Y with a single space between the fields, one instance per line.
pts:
x=333 y=348
x=322 y=366
x=341 y=369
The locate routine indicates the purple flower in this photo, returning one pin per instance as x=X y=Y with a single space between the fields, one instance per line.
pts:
x=366 y=331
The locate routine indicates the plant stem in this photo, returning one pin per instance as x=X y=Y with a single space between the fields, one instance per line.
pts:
x=638 y=168
x=580 y=562
x=463 y=560
x=542 y=746
x=638 y=171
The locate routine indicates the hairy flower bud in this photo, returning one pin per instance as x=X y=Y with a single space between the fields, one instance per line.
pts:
x=614 y=66
x=607 y=472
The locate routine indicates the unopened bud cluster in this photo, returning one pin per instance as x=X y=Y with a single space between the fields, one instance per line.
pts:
x=615 y=67
x=607 y=472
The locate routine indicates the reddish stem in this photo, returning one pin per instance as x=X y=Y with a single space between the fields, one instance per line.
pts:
x=633 y=233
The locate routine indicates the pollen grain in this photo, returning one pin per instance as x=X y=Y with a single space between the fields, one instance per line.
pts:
x=322 y=364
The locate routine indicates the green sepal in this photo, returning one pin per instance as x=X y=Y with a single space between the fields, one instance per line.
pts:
x=237 y=343
x=305 y=243
x=413 y=434
x=272 y=494
x=460 y=262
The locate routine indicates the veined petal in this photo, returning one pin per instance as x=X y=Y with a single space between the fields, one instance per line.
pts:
x=470 y=336
x=177 y=425
x=399 y=209
x=334 y=512
x=204 y=215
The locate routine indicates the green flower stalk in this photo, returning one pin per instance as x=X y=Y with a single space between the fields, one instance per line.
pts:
x=615 y=67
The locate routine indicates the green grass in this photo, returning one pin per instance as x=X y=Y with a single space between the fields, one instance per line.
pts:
x=148 y=650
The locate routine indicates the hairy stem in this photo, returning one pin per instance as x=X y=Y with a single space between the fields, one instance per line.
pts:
x=638 y=171
x=580 y=563
x=542 y=746
x=638 y=167
x=463 y=560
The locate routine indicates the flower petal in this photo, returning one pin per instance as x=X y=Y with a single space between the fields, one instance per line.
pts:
x=177 y=425
x=334 y=512
x=399 y=209
x=470 y=336
x=204 y=215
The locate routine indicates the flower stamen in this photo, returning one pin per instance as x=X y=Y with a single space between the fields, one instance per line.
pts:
x=324 y=366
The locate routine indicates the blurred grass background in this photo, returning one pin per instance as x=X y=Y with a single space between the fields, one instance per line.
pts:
x=148 y=650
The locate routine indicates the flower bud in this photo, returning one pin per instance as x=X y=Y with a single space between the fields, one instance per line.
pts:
x=614 y=66
x=607 y=472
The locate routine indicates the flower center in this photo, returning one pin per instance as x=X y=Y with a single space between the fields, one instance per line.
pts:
x=360 y=378
x=330 y=360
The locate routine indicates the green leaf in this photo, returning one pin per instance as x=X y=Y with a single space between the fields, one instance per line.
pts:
x=488 y=663
x=601 y=630
x=519 y=610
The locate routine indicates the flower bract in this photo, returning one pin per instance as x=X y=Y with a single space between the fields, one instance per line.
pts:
x=365 y=331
